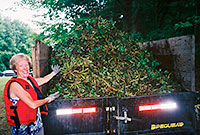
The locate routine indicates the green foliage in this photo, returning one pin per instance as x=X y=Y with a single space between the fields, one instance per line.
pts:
x=145 y=20
x=153 y=19
x=97 y=59
x=14 y=38
x=189 y=22
x=4 y=60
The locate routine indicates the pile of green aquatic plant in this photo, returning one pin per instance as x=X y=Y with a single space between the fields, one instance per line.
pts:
x=99 y=60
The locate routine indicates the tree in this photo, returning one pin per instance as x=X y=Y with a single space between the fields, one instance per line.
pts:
x=155 y=19
x=14 y=38
x=145 y=20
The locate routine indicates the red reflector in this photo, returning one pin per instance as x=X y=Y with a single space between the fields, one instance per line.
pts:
x=157 y=107
x=76 y=111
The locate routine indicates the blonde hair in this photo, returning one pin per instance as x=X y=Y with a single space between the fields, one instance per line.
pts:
x=15 y=58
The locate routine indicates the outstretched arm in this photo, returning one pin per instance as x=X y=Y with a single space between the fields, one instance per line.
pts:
x=16 y=90
x=56 y=69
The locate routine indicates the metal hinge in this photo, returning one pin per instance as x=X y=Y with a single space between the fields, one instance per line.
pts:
x=110 y=109
x=111 y=131
x=125 y=118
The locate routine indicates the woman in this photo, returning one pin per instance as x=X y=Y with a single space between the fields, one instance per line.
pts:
x=23 y=97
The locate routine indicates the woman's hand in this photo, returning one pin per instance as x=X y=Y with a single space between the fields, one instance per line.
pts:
x=53 y=96
x=56 y=68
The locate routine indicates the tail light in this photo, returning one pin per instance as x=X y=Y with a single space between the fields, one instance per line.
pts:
x=84 y=110
x=157 y=107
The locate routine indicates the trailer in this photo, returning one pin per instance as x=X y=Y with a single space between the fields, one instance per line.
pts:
x=164 y=114
x=171 y=114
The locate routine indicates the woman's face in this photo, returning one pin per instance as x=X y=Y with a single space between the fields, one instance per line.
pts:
x=22 y=68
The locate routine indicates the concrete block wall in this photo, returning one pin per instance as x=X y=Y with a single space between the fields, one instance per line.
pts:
x=177 y=55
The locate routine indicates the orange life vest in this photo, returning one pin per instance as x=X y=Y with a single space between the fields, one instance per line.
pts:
x=21 y=113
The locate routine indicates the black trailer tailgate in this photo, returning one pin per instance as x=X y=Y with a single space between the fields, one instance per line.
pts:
x=153 y=114
x=158 y=114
